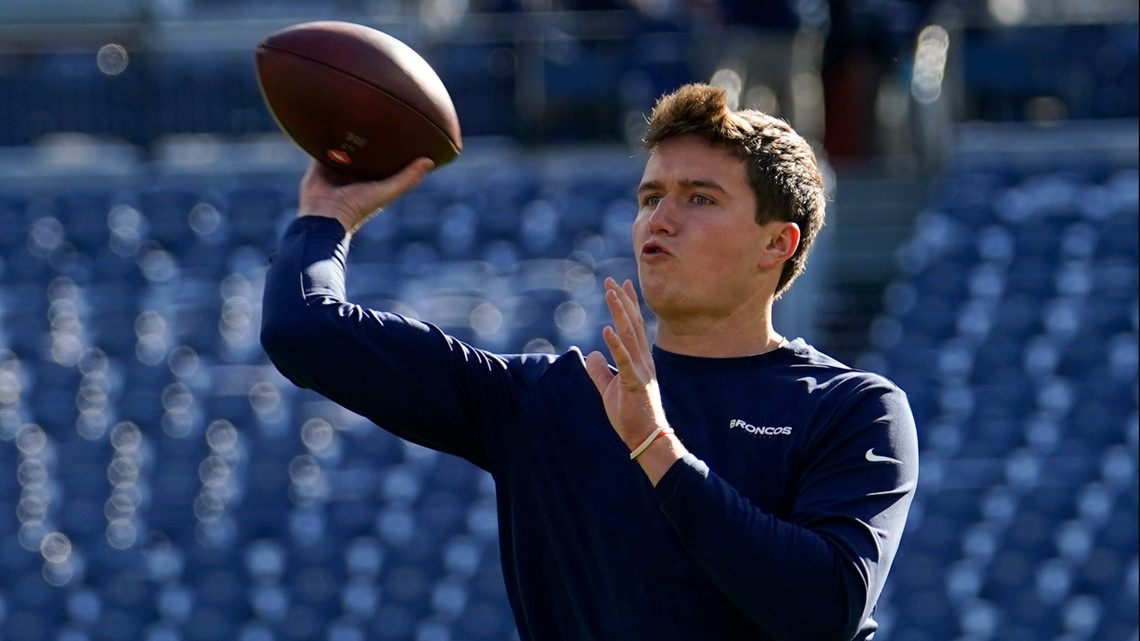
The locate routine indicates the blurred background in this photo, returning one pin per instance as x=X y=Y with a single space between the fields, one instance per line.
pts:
x=159 y=481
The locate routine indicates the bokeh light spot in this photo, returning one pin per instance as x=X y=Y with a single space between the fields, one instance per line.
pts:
x=112 y=59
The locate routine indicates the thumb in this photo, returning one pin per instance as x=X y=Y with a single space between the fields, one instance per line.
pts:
x=411 y=175
x=379 y=193
x=599 y=371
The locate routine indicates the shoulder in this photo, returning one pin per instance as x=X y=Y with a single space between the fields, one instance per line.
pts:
x=857 y=410
x=848 y=395
x=807 y=360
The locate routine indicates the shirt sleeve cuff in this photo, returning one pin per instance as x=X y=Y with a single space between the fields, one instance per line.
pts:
x=321 y=224
x=687 y=471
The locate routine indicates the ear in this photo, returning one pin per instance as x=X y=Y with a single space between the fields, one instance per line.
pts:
x=783 y=240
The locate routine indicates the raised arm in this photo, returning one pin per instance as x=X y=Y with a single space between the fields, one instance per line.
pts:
x=405 y=375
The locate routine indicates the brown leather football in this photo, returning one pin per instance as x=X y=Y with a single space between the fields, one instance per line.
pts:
x=355 y=98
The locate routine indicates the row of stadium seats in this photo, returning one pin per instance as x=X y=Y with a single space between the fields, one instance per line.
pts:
x=1048 y=71
x=1013 y=326
x=587 y=83
x=172 y=92
x=165 y=483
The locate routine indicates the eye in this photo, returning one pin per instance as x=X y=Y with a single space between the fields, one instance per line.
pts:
x=651 y=200
x=700 y=199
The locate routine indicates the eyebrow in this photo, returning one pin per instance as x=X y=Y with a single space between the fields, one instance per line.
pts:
x=655 y=185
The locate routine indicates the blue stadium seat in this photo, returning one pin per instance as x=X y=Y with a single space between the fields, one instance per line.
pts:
x=928 y=615
x=253 y=213
x=479 y=76
x=167 y=210
x=84 y=214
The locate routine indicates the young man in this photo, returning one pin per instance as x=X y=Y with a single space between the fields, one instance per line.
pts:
x=722 y=483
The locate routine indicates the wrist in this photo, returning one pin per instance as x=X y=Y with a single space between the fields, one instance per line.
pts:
x=661 y=454
x=638 y=449
x=329 y=207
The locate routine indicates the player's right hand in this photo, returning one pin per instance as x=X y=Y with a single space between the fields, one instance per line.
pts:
x=350 y=200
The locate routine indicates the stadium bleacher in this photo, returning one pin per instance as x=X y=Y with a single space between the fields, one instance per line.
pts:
x=1015 y=324
x=160 y=481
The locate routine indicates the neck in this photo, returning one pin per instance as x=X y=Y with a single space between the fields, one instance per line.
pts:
x=718 y=338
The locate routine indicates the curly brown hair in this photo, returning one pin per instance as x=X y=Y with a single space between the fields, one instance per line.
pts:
x=781 y=165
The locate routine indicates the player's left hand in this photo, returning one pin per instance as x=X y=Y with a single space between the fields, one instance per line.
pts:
x=632 y=397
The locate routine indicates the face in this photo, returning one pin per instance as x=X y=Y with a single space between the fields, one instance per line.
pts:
x=701 y=255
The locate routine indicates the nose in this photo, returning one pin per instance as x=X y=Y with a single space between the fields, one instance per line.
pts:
x=661 y=220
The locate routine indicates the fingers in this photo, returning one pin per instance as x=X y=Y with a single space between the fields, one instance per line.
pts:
x=409 y=176
x=372 y=195
x=620 y=353
x=628 y=323
x=633 y=305
x=626 y=339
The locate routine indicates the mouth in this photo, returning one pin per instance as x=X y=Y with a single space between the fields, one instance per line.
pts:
x=653 y=248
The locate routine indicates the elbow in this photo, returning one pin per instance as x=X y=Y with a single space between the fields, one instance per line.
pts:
x=843 y=616
x=274 y=339
x=859 y=606
x=840 y=627
x=283 y=338
x=275 y=334
x=833 y=618
x=819 y=626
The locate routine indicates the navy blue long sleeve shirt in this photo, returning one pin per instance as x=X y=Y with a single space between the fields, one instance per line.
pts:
x=780 y=525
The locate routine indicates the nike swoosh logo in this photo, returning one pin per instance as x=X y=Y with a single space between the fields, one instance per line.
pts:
x=875 y=458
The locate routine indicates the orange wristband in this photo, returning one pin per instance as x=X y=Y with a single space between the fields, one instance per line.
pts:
x=657 y=433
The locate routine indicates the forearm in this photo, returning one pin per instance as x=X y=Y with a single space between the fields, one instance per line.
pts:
x=789 y=579
x=303 y=286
